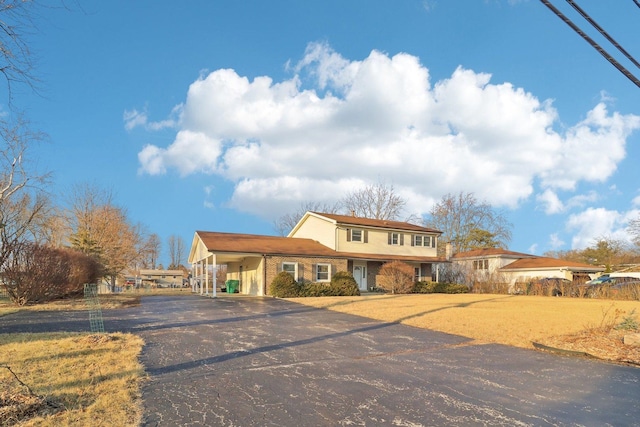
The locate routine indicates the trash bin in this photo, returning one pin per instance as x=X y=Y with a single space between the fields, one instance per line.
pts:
x=232 y=286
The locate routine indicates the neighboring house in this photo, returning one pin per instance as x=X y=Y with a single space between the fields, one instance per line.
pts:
x=319 y=246
x=162 y=278
x=516 y=266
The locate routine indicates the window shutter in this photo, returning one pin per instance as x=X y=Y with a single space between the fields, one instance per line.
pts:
x=413 y=240
x=366 y=236
x=433 y=242
x=389 y=238
x=401 y=239
x=348 y=234
x=314 y=273
x=280 y=267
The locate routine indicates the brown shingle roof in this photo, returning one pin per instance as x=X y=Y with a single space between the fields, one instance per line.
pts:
x=377 y=223
x=273 y=245
x=544 y=262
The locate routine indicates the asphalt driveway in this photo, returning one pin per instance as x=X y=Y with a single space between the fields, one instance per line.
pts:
x=239 y=361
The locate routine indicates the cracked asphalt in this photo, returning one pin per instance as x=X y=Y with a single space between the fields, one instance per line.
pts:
x=242 y=361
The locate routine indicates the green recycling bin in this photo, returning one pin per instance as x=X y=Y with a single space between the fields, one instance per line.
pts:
x=232 y=286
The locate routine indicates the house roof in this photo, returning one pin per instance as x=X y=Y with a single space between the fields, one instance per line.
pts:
x=491 y=252
x=274 y=245
x=544 y=262
x=376 y=223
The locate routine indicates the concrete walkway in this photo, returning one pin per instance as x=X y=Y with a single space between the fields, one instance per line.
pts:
x=270 y=362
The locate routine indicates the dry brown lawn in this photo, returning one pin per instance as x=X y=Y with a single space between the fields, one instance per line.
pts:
x=70 y=380
x=575 y=324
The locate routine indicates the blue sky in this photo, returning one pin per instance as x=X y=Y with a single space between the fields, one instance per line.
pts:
x=223 y=115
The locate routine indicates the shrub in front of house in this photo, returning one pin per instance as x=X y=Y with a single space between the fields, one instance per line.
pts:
x=396 y=277
x=439 y=288
x=344 y=284
x=284 y=286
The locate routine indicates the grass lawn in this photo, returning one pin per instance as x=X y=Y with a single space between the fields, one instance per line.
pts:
x=85 y=379
x=70 y=380
x=578 y=324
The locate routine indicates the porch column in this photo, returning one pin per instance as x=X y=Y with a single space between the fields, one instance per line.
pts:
x=215 y=274
x=206 y=275
x=193 y=275
x=201 y=262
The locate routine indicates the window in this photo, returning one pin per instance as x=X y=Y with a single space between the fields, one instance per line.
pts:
x=323 y=272
x=396 y=239
x=356 y=235
x=291 y=268
x=426 y=241
x=416 y=271
x=481 y=264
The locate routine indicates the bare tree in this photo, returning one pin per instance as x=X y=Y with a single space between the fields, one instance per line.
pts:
x=284 y=224
x=103 y=230
x=16 y=60
x=22 y=200
x=176 y=251
x=151 y=251
x=467 y=223
x=375 y=201
x=634 y=230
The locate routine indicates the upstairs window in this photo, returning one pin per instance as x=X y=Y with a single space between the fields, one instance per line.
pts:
x=481 y=264
x=426 y=241
x=356 y=235
x=396 y=239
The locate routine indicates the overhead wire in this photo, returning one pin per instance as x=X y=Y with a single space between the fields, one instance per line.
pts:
x=593 y=43
x=601 y=30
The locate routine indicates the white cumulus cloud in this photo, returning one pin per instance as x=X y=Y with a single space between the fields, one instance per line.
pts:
x=337 y=124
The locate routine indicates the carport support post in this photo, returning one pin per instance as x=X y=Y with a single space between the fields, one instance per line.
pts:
x=206 y=275
x=200 y=284
x=215 y=274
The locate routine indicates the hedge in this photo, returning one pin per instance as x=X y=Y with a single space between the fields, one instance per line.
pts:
x=439 y=288
x=342 y=284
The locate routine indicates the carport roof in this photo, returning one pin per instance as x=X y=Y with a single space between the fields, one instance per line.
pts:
x=271 y=245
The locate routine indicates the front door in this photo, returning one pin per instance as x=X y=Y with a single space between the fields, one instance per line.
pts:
x=360 y=274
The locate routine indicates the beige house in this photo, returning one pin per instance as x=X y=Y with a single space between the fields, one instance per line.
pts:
x=162 y=278
x=319 y=246
x=516 y=266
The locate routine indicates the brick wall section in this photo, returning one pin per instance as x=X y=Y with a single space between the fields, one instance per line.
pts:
x=305 y=267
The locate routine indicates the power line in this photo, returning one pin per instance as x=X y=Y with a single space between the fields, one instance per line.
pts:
x=586 y=16
x=595 y=45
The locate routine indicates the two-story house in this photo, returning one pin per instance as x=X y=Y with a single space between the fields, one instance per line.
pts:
x=319 y=246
